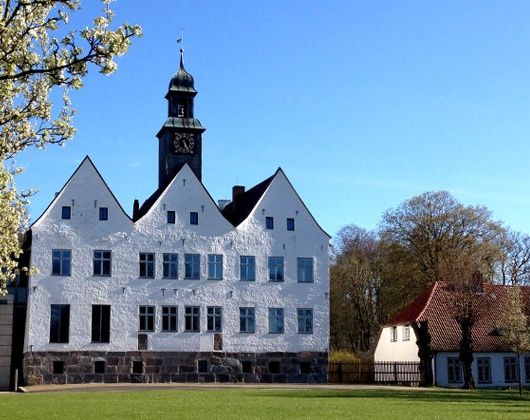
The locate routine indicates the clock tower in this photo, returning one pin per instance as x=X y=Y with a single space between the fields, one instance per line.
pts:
x=180 y=139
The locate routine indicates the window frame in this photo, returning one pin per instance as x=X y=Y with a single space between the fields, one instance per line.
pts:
x=192 y=319
x=59 y=323
x=214 y=318
x=454 y=370
x=146 y=318
x=276 y=269
x=170 y=265
x=169 y=318
x=290 y=224
x=66 y=212
x=101 y=315
x=192 y=266
x=215 y=266
x=269 y=222
x=305 y=272
x=304 y=318
x=102 y=263
x=393 y=334
x=194 y=218
x=276 y=321
x=247 y=268
x=247 y=319
x=104 y=214
x=61 y=262
x=171 y=217
x=147 y=265
x=509 y=365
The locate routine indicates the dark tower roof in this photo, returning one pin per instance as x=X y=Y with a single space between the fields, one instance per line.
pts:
x=182 y=81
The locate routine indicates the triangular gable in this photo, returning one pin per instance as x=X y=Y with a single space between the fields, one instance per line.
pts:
x=184 y=194
x=247 y=204
x=85 y=184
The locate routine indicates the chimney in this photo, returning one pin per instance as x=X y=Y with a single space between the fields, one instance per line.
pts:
x=237 y=190
x=136 y=210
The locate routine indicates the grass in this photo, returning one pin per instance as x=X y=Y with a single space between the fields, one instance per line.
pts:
x=266 y=404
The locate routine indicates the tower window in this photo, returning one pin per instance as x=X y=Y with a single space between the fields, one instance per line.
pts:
x=181 y=111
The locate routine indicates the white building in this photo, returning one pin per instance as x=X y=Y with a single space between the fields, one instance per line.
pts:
x=186 y=290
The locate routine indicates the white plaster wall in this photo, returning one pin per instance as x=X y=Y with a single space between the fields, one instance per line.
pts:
x=497 y=370
x=124 y=291
x=396 y=351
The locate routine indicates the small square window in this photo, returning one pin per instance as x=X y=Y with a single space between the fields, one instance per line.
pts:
x=66 y=213
x=269 y=223
x=138 y=366
x=202 y=366
x=290 y=224
x=171 y=217
x=99 y=366
x=58 y=367
x=194 y=218
x=103 y=213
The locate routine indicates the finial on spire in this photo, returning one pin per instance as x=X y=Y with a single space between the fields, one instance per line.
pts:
x=181 y=41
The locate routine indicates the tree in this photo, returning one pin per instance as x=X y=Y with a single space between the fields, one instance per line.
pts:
x=421 y=234
x=515 y=328
x=354 y=288
x=514 y=265
x=39 y=56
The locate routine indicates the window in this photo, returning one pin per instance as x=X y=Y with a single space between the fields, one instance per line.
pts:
x=454 y=370
x=290 y=224
x=274 y=367
x=99 y=366
x=61 y=262
x=171 y=217
x=192 y=265
x=103 y=213
x=194 y=218
x=247 y=268
x=101 y=323
x=192 y=318
x=147 y=265
x=246 y=366
x=137 y=366
x=275 y=320
x=169 y=318
x=393 y=334
x=484 y=370
x=170 y=267
x=510 y=369
x=305 y=270
x=276 y=268
x=60 y=323
x=58 y=367
x=202 y=366
x=146 y=318
x=214 y=317
x=66 y=212
x=247 y=320
x=102 y=261
x=406 y=333
x=305 y=320
x=269 y=223
x=215 y=267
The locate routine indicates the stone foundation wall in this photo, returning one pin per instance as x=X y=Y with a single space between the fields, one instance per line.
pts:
x=157 y=367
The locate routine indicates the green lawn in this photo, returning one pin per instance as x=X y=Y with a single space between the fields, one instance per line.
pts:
x=266 y=404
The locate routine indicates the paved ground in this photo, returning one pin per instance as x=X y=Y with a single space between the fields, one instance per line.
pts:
x=187 y=386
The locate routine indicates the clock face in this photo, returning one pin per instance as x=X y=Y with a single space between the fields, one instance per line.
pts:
x=184 y=143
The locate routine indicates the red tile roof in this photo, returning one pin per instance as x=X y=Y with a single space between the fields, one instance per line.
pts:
x=435 y=306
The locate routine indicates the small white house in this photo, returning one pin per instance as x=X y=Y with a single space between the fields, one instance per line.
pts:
x=185 y=290
x=426 y=332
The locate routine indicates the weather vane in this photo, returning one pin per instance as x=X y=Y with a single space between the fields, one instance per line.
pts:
x=181 y=39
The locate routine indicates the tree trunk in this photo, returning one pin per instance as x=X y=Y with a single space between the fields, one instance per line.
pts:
x=424 y=352
x=466 y=353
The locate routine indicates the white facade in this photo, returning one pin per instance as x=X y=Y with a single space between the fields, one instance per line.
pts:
x=397 y=343
x=125 y=291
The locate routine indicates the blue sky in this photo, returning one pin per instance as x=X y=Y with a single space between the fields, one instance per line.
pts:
x=364 y=104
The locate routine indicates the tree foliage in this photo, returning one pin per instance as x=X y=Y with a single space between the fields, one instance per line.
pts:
x=40 y=54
